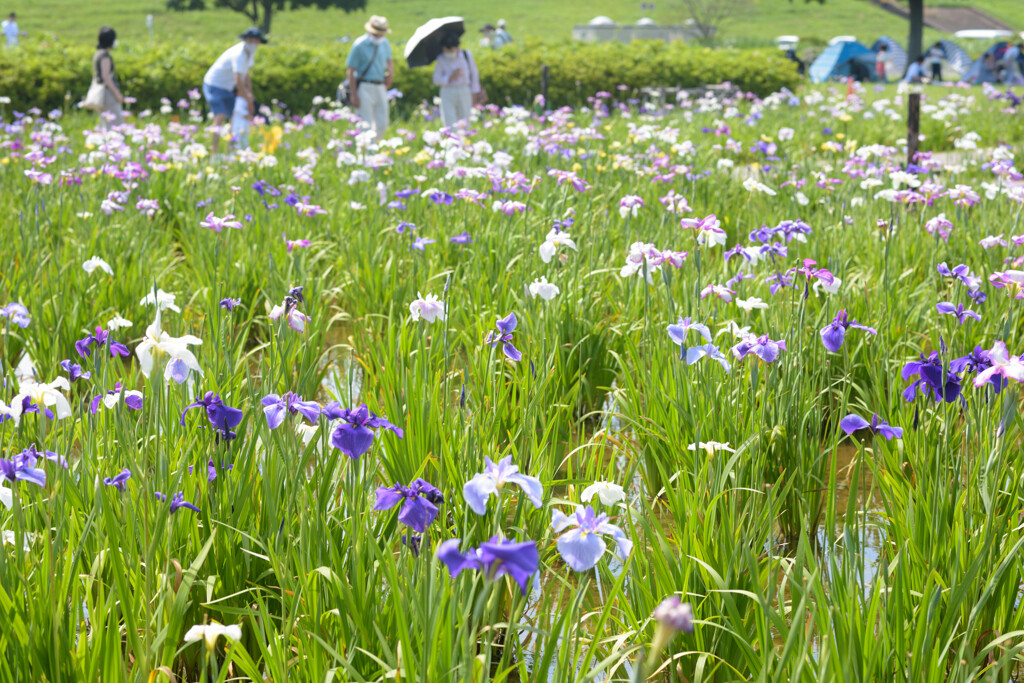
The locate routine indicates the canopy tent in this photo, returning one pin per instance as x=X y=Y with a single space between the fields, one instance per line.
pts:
x=837 y=61
x=896 y=53
x=986 y=68
x=955 y=56
x=842 y=39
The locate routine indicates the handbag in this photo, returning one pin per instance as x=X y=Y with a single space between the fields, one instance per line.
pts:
x=96 y=98
x=480 y=96
x=343 y=95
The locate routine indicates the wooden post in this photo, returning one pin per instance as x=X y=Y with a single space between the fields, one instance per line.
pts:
x=913 y=125
x=544 y=83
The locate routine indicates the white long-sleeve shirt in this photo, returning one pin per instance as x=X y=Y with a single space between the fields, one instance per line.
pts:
x=445 y=67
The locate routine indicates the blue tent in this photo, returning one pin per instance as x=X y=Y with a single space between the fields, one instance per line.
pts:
x=955 y=56
x=835 y=61
x=896 y=53
x=991 y=70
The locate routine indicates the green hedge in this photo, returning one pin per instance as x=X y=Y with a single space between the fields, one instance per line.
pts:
x=53 y=75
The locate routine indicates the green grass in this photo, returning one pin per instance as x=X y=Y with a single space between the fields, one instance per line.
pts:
x=543 y=19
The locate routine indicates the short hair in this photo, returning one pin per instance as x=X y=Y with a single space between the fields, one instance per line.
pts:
x=107 y=38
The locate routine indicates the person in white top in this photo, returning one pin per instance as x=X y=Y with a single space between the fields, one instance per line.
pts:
x=934 y=60
x=230 y=77
x=501 y=36
x=459 y=79
x=9 y=27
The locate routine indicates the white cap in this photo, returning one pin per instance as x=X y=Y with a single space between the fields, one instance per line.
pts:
x=501 y=23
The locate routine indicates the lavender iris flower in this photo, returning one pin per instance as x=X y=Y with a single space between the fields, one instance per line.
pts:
x=503 y=336
x=177 y=502
x=403 y=226
x=961 y=313
x=681 y=330
x=675 y=614
x=852 y=423
x=419 y=502
x=464 y=238
x=17 y=314
x=580 y=542
x=354 y=434
x=223 y=417
x=74 y=370
x=695 y=353
x=494 y=558
x=229 y=304
x=933 y=380
x=833 y=334
x=276 y=408
x=493 y=479
x=762 y=347
x=118 y=480
x=421 y=243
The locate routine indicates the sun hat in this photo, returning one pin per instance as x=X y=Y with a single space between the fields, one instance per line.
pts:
x=377 y=25
x=253 y=33
x=501 y=23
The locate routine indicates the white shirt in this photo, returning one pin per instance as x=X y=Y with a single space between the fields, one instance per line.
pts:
x=914 y=73
x=445 y=67
x=10 y=29
x=234 y=60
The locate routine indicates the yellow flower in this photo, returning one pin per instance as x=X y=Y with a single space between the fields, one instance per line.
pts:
x=422 y=157
x=765 y=138
x=5 y=161
x=577 y=167
x=271 y=138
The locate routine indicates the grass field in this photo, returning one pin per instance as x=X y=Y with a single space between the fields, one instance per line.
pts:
x=543 y=19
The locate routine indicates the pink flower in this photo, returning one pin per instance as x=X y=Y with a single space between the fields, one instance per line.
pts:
x=291 y=244
x=1003 y=365
x=218 y=224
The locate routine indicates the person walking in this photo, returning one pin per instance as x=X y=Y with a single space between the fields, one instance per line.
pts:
x=231 y=77
x=501 y=35
x=456 y=73
x=9 y=27
x=105 y=91
x=935 y=62
x=882 y=60
x=370 y=71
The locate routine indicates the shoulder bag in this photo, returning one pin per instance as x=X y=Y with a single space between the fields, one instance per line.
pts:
x=344 y=96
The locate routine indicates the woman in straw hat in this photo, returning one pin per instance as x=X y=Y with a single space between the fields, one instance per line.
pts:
x=370 y=70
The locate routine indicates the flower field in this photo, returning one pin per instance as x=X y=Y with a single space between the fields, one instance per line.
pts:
x=722 y=390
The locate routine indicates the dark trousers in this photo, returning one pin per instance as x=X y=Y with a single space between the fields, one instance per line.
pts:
x=937 y=71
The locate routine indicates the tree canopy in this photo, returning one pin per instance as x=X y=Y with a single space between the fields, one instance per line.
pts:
x=260 y=12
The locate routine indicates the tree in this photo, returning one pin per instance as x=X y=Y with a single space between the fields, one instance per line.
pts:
x=709 y=15
x=916 y=29
x=259 y=12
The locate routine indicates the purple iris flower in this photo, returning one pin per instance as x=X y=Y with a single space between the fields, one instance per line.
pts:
x=23 y=467
x=933 y=380
x=464 y=238
x=961 y=313
x=977 y=361
x=229 y=304
x=178 y=501
x=421 y=243
x=778 y=281
x=695 y=353
x=833 y=334
x=403 y=226
x=503 y=336
x=762 y=347
x=118 y=480
x=852 y=423
x=276 y=408
x=493 y=479
x=419 y=503
x=579 y=540
x=74 y=370
x=406 y=193
x=211 y=470
x=354 y=434
x=494 y=558
x=675 y=614
x=132 y=399
x=223 y=417
x=441 y=198
x=17 y=314
x=101 y=338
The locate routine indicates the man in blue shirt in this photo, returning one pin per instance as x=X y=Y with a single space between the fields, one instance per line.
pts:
x=370 y=70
